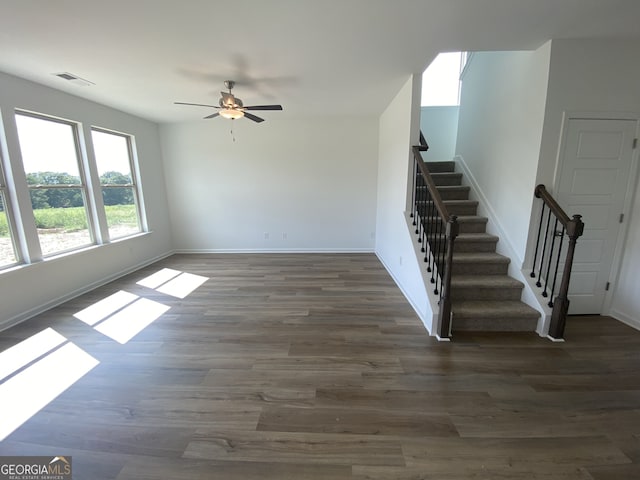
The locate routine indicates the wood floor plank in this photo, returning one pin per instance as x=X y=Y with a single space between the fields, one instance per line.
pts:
x=353 y=420
x=295 y=447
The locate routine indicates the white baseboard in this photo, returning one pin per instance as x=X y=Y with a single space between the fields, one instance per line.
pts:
x=626 y=319
x=272 y=250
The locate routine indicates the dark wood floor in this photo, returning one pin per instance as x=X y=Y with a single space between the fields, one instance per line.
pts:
x=315 y=367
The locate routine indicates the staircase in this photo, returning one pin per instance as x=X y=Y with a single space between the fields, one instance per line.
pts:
x=484 y=297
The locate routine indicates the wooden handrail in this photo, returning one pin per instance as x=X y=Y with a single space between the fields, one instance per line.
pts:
x=574 y=228
x=435 y=195
x=542 y=193
x=424 y=146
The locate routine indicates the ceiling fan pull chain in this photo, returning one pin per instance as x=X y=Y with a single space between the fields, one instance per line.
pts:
x=232 y=135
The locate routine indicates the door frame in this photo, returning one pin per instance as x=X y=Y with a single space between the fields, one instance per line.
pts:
x=632 y=185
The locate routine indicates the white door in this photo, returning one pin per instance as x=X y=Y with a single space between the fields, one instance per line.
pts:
x=595 y=165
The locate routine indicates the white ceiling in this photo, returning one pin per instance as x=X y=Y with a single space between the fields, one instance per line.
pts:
x=314 y=57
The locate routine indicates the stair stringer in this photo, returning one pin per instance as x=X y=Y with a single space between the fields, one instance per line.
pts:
x=505 y=247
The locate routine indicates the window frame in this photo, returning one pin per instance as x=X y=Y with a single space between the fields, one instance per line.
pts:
x=134 y=185
x=83 y=186
x=8 y=212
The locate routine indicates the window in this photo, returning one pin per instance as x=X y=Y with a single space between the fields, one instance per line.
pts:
x=119 y=192
x=441 y=80
x=58 y=195
x=7 y=248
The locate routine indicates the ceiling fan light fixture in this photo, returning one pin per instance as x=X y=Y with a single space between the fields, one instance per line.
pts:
x=231 y=113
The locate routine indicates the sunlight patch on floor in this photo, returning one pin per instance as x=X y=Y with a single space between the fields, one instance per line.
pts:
x=158 y=278
x=26 y=393
x=108 y=306
x=131 y=320
x=25 y=352
x=182 y=285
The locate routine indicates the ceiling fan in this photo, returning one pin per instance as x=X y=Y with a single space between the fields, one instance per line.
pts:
x=231 y=107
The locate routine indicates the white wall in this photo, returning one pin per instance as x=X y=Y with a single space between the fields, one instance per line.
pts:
x=597 y=76
x=500 y=128
x=311 y=179
x=394 y=242
x=30 y=289
x=440 y=128
x=626 y=301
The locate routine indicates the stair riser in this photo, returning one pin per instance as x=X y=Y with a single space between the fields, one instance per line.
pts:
x=479 y=268
x=452 y=208
x=469 y=247
x=472 y=227
x=440 y=167
x=457 y=194
x=467 y=227
x=485 y=293
x=503 y=324
x=447 y=180
x=460 y=193
x=474 y=247
x=462 y=209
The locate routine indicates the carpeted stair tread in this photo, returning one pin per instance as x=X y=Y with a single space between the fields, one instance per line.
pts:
x=454 y=192
x=479 y=263
x=480 y=257
x=475 y=237
x=494 y=316
x=484 y=281
x=493 y=308
x=475 y=242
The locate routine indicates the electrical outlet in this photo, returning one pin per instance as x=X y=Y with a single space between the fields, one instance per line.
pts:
x=266 y=235
x=284 y=235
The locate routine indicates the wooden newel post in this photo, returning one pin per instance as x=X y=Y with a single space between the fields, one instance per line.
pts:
x=575 y=228
x=445 y=299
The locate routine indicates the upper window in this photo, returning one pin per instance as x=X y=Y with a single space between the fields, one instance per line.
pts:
x=7 y=247
x=441 y=80
x=119 y=192
x=54 y=177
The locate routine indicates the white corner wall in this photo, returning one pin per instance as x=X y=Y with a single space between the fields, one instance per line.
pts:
x=30 y=289
x=394 y=243
x=597 y=77
x=288 y=184
x=499 y=133
x=440 y=128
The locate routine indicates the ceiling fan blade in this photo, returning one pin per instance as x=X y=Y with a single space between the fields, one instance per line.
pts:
x=251 y=116
x=196 y=104
x=264 y=107
x=213 y=115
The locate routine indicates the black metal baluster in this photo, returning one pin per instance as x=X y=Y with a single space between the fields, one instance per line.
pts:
x=418 y=201
x=433 y=215
x=415 y=186
x=535 y=255
x=441 y=258
x=544 y=249
x=555 y=275
x=429 y=224
x=436 y=254
x=553 y=242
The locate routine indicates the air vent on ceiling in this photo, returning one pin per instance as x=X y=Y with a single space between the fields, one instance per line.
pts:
x=74 y=79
